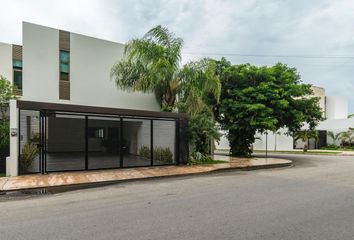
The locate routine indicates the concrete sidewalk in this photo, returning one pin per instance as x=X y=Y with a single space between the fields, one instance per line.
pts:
x=101 y=176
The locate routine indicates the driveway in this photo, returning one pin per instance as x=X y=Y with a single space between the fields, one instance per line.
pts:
x=312 y=200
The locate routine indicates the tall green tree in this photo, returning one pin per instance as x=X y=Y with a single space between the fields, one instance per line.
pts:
x=256 y=99
x=153 y=64
x=7 y=92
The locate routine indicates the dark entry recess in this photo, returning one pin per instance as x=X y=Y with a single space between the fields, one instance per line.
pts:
x=74 y=138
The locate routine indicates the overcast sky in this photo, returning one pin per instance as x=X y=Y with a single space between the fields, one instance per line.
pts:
x=315 y=36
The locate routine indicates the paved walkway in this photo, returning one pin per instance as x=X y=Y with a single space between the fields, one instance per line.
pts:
x=90 y=177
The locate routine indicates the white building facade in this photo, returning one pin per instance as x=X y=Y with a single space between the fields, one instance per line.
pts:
x=71 y=109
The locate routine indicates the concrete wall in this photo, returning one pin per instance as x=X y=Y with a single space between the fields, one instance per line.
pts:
x=40 y=63
x=321 y=93
x=6 y=61
x=91 y=61
x=336 y=107
x=11 y=161
x=276 y=141
x=223 y=143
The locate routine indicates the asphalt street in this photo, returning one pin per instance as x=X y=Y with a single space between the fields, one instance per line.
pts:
x=314 y=199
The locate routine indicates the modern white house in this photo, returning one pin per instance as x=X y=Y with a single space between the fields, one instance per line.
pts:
x=74 y=113
x=335 y=112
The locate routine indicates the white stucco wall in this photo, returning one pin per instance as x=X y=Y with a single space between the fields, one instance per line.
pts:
x=11 y=161
x=276 y=141
x=91 y=61
x=6 y=60
x=279 y=141
x=336 y=107
x=223 y=143
x=40 y=63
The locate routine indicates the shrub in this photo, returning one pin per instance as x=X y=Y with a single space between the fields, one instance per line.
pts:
x=163 y=155
x=197 y=158
x=144 y=151
x=29 y=153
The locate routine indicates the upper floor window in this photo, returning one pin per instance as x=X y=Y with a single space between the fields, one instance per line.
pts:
x=64 y=65
x=17 y=64
x=17 y=73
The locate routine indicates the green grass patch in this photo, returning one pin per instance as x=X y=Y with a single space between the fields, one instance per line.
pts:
x=337 y=149
x=2 y=174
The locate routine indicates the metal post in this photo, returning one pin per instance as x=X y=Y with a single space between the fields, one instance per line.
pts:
x=151 y=142
x=177 y=147
x=120 y=143
x=45 y=128
x=86 y=142
x=266 y=145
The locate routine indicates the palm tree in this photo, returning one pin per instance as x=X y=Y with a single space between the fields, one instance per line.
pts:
x=347 y=137
x=333 y=136
x=198 y=82
x=152 y=64
x=305 y=136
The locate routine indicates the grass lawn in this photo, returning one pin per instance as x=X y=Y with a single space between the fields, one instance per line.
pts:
x=338 y=149
x=2 y=175
x=301 y=152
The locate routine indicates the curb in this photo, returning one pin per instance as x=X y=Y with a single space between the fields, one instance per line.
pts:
x=78 y=186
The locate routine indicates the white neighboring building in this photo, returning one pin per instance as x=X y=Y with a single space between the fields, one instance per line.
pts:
x=335 y=110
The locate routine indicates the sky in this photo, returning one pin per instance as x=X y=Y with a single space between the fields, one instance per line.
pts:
x=316 y=37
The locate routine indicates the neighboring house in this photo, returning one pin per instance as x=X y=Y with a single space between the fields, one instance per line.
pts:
x=335 y=112
x=74 y=113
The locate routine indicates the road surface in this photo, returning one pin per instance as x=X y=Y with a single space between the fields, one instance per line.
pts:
x=312 y=200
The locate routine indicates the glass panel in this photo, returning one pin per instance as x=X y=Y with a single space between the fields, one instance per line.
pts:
x=136 y=142
x=164 y=142
x=64 y=68
x=18 y=79
x=64 y=76
x=103 y=142
x=17 y=63
x=64 y=57
x=65 y=142
x=29 y=142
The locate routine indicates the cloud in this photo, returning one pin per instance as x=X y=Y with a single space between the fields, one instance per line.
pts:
x=274 y=27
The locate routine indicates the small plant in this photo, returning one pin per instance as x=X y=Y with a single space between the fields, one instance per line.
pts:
x=35 y=138
x=29 y=153
x=163 y=155
x=197 y=158
x=144 y=151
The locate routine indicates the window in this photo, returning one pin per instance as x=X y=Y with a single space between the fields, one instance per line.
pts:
x=96 y=132
x=17 y=64
x=18 y=79
x=17 y=73
x=64 y=65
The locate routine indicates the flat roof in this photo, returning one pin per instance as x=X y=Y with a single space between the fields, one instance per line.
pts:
x=32 y=105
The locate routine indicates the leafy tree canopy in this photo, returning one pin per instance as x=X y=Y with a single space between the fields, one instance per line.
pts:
x=257 y=99
x=7 y=92
x=153 y=64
